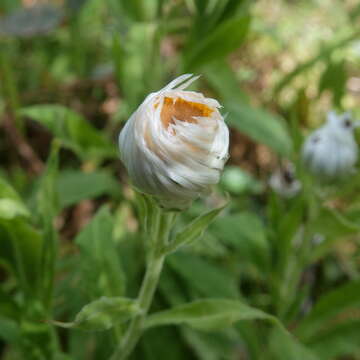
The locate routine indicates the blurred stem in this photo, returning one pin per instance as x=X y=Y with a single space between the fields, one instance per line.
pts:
x=77 y=46
x=160 y=229
x=10 y=89
x=300 y=263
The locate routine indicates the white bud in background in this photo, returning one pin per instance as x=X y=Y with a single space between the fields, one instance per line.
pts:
x=331 y=151
x=175 y=144
x=284 y=183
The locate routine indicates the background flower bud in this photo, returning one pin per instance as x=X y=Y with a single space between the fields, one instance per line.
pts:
x=331 y=151
x=175 y=144
x=283 y=181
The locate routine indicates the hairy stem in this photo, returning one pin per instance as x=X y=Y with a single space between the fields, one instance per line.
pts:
x=160 y=230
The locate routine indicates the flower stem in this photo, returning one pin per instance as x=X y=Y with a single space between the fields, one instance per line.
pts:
x=160 y=231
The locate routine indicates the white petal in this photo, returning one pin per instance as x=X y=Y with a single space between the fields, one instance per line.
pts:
x=181 y=160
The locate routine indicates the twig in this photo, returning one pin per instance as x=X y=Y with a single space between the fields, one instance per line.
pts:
x=25 y=151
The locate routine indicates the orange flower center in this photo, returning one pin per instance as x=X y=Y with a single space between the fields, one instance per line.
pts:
x=182 y=110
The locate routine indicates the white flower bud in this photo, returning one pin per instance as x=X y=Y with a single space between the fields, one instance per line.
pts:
x=175 y=144
x=283 y=181
x=331 y=151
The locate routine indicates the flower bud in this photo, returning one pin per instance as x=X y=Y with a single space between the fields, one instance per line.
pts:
x=175 y=144
x=284 y=183
x=331 y=151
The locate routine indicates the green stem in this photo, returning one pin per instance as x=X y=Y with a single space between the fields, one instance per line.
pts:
x=147 y=291
x=161 y=225
x=10 y=89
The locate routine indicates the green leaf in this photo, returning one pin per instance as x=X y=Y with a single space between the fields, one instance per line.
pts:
x=208 y=314
x=328 y=310
x=226 y=38
x=21 y=248
x=159 y=343
x=73 y=130
x=333 y=227
x=10 y=209
x=244 y=232
x=138 y=68
x=148 y=211
x=210 y=346
x=223 y=79
x=11 y=205
x=103 y=314
x=194 y=230
x=343 y=340
x=47 y=196
x=260 y=125
x=9 y=330
x=74 y=186
x=334 y=79
x=203 y=276
x=100 y=266
x=138 y=10
x=8 y=305
x=48 y=207
x=284 y=347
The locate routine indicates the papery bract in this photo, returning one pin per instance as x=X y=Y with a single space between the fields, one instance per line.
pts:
x=175 y=144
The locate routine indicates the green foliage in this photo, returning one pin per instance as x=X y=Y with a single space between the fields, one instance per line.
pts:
x=218 y=43
x=203 y=277
x=75 y=186
x=72 y=129
x=245 y=233
x=100 y=268
x=282 y=347
x=9 y=330
x=20 y=242
x=194 y=230
x=207 y=314
x=328 y=308
x=11 y=205
x=269 y=277
x=260 y=126
x=334 y=79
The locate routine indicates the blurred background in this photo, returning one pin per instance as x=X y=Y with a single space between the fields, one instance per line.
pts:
x=71 y=74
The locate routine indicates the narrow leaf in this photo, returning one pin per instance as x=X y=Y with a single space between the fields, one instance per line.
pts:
x=329 y=308
x=100 y=267
x=11 y=205
x=226 y=38
x=338 y=341
x=48 y=205
x=74 y=186
x=333 y=227
x=194 y=230
x=285 y=347
x=208 y=314
x=72 y=129
x=261 y=126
